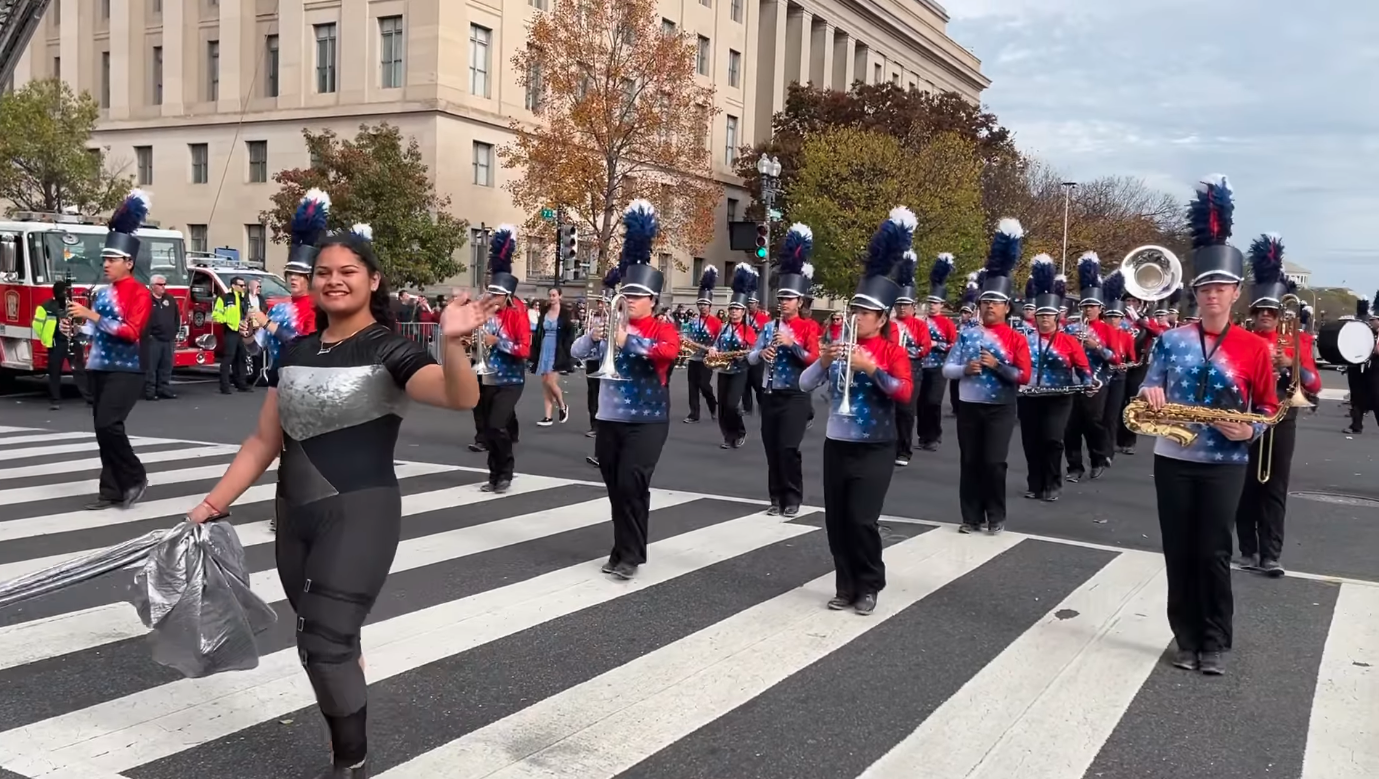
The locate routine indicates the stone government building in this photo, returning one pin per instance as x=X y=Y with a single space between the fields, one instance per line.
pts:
x=210 y=96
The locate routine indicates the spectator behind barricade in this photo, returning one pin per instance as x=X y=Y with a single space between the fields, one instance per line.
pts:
x=550 y=355
x=156 y=344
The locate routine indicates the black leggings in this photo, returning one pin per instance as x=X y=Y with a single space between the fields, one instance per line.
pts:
x=333 y=557
x=929 y=419
x=1042 y=422
x=730 y=394
x=856 y=478
x=984 y=431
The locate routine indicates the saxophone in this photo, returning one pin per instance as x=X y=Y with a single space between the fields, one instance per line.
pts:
x=1174 y=419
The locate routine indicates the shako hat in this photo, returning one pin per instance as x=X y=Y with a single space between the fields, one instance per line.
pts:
x=744 y=284
x=1041 y=276
x=707 y=281
x=639 y=277
x=905 y=277
x=308 y=225
x=1001 y=260
x=1210 y=219
x=793 y=257
x=128 y=217
x=501 y=247
x=938 y=277
x=1089 y=280
x=876 y=290
x=1266 y=265
x=1113 y=290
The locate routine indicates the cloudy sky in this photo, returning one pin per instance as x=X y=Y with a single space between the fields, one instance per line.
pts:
x=1280 y=95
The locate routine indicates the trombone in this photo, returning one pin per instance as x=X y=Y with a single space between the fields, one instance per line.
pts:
x=848 y=337
x=616 y=320
x=1287 y=328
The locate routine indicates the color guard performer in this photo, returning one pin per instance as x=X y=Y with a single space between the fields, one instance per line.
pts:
x=703 y=329
x=913 y=334
x=1088 y=420
x=634 y=409
x=508 y=338
x=991 y=362
x=867 y=375
x=1219 y=367
x=785 y=348
x=1059 y=368
x=1259 y=518
x=735 y=337
x=942 y=334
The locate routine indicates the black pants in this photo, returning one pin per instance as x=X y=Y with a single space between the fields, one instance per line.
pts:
x=1259 y=519
x=1111 y=417
x=333 y=557
x=234 y=358
x=1042 y=422
x=499 y=403
x=1197 y=502
x=730 y=393
x=699 y=379
x=71 y=353
x=156 y=360
x=592 y=401
x=627 y=455
x=113 y=395
x=856 y=477
x=984 y=431
x=954 y=401
x=756 y=374
x=1087 y=423
x=929 y=409
x=480 y=413
x=784 y=417
x=1133 y=380
x=905 y=414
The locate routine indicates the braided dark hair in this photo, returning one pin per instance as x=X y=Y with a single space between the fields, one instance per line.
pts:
x=380 y=302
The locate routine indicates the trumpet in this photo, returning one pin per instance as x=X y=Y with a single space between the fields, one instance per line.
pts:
x=849 y=341
x=617 y=319
x=481 y=366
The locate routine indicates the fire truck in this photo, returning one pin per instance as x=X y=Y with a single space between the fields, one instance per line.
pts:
x=38 y=249
x=211 y=275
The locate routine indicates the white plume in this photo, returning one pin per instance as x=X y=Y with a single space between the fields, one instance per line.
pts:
x=363 y=231
x=318 y=196
x=904 y=217
x=1011 y=227
x=640 y=204
x=807 y=270
x=802 y=229
x=946 y=257
x=1042 y=259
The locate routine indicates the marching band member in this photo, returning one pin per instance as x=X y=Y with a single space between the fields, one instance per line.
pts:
x=913 y=334
x=596 y=322
x=634 y=412
x=785 y=349
x=758 y=319
x=296 y=317
x=966 y=320
x=1188 y=316
x=736 y=336
x=508 y=337
x=991 y=362
x=1122 y=343
x=1058 y=362
x=873 y=375
x=1088 y=420
x=1259 y=518
x=1144 y=330
x=1216 y=366
x=942 y=334
x=703 y=329
x=1360 y=378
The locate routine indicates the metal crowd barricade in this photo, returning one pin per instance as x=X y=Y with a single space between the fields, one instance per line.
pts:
x=427 y=334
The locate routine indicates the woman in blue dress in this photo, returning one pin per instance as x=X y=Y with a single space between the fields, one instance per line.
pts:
x=550 y=356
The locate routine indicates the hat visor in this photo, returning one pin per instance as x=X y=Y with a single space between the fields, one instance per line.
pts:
x=905 y=301
x=109 y=252
x=705 y=301
x=1216 y=277
x=786 y=293
x=494 y=289
x=736 y=304
x=866 y=301
x=637 y=291
x=993 y=296
x=1266 y=302
x=1046 y=310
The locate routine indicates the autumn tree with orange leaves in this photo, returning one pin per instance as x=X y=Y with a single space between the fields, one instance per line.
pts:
x=620 y=114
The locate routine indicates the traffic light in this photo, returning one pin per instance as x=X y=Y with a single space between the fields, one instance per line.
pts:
x=763 y=239
x=568 y=250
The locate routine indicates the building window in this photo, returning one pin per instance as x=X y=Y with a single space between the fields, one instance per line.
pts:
x=197 y=234
x=254 y=237
x=730 y=142
x=734 y=68
x=537 y=268
x=534 y=88
x=701 y=59
x=697 y=269
x=201 y=163
x=735 y=10
x=157 y=63
x=706 y=3
x=483 y=164
x=895 y=79
x=258 y=161
x=143 y=158
x=105 y=79
x=539 y=5
x=479 y=38
x=733 y=205
x=390 y=44
x=478 y=255
x=271 y=84
x=325 y=58
x=876 y=73
x=314 y=159
x=57 y=67
x=105 y=9
x=663 y=265
x=667 y=27
x=213 y=70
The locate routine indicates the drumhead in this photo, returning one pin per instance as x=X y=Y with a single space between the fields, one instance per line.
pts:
x=1349 y=341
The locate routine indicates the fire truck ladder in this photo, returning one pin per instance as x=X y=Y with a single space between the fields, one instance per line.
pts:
x=19 y=20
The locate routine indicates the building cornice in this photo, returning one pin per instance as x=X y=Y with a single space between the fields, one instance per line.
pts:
x=909 y=35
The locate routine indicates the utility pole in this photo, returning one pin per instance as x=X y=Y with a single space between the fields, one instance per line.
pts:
x=1068 y=187
x=769 y=168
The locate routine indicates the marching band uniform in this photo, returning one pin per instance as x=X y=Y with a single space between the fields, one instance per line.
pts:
x=966 y=320
x=1088 y=420
x=500 y=389
x=1199 y=485
x=294 y=318
x=634 y=413
x=787 y=406
x=1259 y=518
x=1122 y=344
x=755 y=394
x=942 y=335
x=1057 y=361
x=703 y=329
x=986 y=417
x=917 y=344
x=860 y=442
x=1360 y=378
x=735 y=336
x=1144 y=329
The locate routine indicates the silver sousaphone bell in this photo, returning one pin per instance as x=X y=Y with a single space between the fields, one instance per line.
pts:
x=1151 y=273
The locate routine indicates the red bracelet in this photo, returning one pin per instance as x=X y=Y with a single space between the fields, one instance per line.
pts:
x=212 y=507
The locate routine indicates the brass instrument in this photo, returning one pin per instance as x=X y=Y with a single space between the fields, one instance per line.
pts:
x=481 y=366
x=615 y=321
x=690 y=348
x=1287 y=328
x=849 y=340
x=1151 y=273
x=720 y=360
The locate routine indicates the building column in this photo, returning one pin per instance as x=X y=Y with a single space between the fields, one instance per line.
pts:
x=844 y=54
x=236 y=64
x=359 y=68
x=125 y=77
x=174 y=59
x=770 y=97
x=798 y=37
x=293 y=50
x=69 y=42
x=821 y=55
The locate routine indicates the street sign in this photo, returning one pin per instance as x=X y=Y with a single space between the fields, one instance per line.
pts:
x=775 y=213
x=548 y=214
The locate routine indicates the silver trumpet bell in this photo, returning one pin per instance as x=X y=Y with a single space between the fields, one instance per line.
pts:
x=206 y=342
x=849 y=340
x=616 y=319
x=1151 y=273
x=481 y=366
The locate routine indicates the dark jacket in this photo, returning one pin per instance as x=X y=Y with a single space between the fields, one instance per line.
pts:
x=565 y=338
x=164 y=320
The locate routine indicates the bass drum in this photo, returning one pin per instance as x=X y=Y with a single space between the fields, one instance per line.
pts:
x=1348 y=342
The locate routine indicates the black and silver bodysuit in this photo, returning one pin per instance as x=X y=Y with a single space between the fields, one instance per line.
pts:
x=339 y=507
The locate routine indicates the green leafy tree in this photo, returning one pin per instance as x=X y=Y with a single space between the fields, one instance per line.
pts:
x=46 y=161
x=379 y=180
x=946 y=173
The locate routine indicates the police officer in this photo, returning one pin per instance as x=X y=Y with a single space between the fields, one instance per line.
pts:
x=229 y=313
x=54 y=330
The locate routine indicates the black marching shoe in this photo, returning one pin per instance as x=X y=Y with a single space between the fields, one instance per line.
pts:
x=101 y=503
x=865 y=605
x=995 y=527
x=1073 y=477
x=499 y=487
x=592 y=460
x=1052 y=495
x=360 y=771
x=1247 y=562
x=774 y=511
x=1211 y=663
x=966 y=529
x=840 y=601
x=1185 y=659
x=609 y=566
x=1098 y=471
x=1032 y=494
x=1271 y=568
x=742 y=439
x=791 y=511
x=726 y=445
x=477 y=447
x=134 y=494
x=625 y=571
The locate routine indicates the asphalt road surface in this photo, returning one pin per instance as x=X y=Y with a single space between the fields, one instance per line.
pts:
x=497 y=648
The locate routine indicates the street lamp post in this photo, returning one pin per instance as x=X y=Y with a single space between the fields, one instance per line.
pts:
x=769 y=168
x=1068 y=187
x=480 y=257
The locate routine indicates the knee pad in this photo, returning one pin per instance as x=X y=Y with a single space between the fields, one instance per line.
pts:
x=337 y=679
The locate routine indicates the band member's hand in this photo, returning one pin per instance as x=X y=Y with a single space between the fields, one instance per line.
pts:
x=989 y=360
x=1235 y=431
x=490 y=339
x=1091 y=342
x=712 y=352
x=1154 y=396
x=1282 y=360
x=620 y=337
x=769 y=354
x=259 y=319
x=75 y=309
x=785 y=338
x=862 y=362
x=974 y=367
x=201 y=513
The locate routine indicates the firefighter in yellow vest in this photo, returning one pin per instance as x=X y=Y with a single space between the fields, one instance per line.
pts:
x=54 y=329
x=229 y=313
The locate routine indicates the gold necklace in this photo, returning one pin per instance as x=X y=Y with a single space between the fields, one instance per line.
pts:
x=328 y=349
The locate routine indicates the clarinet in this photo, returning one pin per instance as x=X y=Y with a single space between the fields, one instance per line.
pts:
x=769 y=380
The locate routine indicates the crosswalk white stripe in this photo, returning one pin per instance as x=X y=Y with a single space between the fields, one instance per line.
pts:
x=75 y=631
x=7 y=454
x=1343 y=734
x=43 y=438
x=5 y=429
x=1043 y=707
x=614 y=721
x=94 y=463
x=118 y=735
x=18 y=495
x=1332 y=394
x=168 y=507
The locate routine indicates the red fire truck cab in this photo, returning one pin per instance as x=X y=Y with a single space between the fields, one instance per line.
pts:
x=210 y=278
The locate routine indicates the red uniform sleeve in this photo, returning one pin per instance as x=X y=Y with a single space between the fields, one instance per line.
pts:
x=1127 y=345
x=898 y=366
x=136 y=303
x=919 y=330
x=1019 y=348
x=1152 y=325
x=664 y=352
x=1311 y=379
x=1076 y=354
x=1109 y=338
x=517 y=323
x=949 y=330
x=714 y=325
x=1262 y=387
x=810 y=332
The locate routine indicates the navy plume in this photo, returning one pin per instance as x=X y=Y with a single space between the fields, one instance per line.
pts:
x=890 y=242
x=1005 y=248
x=969 y=294
x=1175 y=297
x=310 y=219
x=640 y=221
x=612 y=277
x=1113 y=287
x=1292 y=287
x=500 y=249
x=1266 y=259
x=795 y=251
x=1305 y=316
x=1060 y=285
x=943 y=267
x=130 y=214
x=1088 y=271
x=744 y=279
x=1362 y=309
x=1041 y=275
x=905 y=271
x=1029 y=288
x=709 y=280
x=1211 y=212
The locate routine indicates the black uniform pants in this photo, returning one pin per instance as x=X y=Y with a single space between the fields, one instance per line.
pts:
x=699 y=379
x=905 y=414
x=627 y=455
x=1259 y=518
x=480 y=413
x=499 y=403
x=592 y=401
x=856 y=478
x=954 y=401
x=1133 y=380
x=730 y=393
x=756 y=376
x=113 y=395
x=1042 y=424
x=1087 y=423
x=1111 y=417
x=234 y=358
x=984 y=431
x=929 y=410
x=156 y=360
x=784 y=417
x=1197 y=502
x=64 y=350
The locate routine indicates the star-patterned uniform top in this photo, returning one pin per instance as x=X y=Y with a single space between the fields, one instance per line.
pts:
x=872 y=396
x=1239 y=376
x=942 y=335
x=1310 y=380
x=508 y=357
x=124 y=308
x=703 y=330
x=920 y=342
x=1024 y=327
x=1100 y=359
x=1057 y=360
x=651 y=348
x=293 y=319
x=785 y=371
x=734 y=338
x=993 y=385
